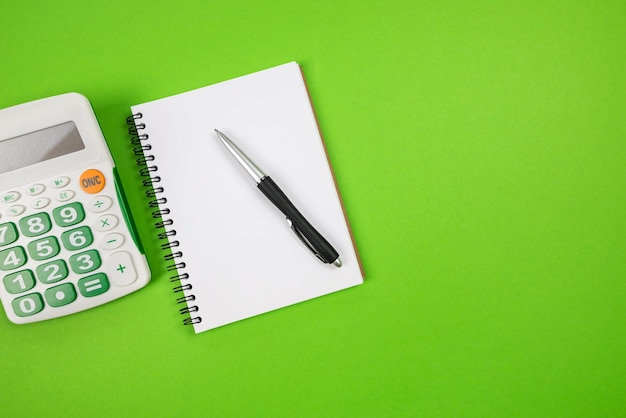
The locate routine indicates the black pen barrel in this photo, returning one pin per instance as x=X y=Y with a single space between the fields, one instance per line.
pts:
x=282 y=202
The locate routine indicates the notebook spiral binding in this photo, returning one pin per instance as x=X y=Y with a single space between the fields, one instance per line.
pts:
x=155 y=193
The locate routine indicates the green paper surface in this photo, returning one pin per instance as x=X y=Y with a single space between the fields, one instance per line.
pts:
x=480 y=151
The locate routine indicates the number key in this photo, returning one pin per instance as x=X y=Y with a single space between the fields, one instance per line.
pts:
x=52 y=272
x=12 y=258
x=35 y=225
x=44 y=248
x=19 y=282
x=8 y=233
x=27 y=305
x=69 y=215
x=85 y=262
x=78 y=238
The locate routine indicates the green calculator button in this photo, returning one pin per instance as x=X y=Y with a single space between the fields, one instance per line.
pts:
x=12 y=258
x=44 y=248
x=8 y=233
x=77 y=238
x=93 y=285
x=85 y=262
x=19 y=282
x=52 y=272
x=35 y=225
x=60 y=295
x=27 y=305
x=69 y=215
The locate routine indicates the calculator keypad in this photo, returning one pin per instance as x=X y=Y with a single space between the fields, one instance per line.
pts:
x=62 y=242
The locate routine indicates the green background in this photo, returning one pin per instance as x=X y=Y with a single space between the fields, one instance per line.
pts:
x=480 y=149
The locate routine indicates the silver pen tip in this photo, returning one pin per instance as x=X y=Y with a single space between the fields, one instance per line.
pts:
x=338 y=262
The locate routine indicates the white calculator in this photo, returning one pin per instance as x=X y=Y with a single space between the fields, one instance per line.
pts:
x=67 y=240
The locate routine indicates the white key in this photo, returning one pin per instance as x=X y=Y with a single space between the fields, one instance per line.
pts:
x=106 y=222
x=59 y=182
x=99 y=204
x=35 y=189
x=11 y=197
x=39 y=203
x=112 y=241
x=65 y=195
x=16 y=210
x=121 y=269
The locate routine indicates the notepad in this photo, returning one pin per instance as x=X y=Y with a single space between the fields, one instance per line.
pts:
x=233 y=251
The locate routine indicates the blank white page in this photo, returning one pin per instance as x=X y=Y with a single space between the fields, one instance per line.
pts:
x=242 y=258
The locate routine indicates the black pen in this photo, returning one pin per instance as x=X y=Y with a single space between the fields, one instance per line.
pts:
x=300 y=226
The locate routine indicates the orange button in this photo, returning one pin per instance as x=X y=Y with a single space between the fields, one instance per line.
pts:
x=92 y=181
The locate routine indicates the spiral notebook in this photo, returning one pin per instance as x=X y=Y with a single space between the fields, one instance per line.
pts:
x=229 y=248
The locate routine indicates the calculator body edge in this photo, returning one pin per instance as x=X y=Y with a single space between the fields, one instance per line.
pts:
x=64 y=227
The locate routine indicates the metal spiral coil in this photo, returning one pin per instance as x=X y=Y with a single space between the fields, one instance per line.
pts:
x=148 y=169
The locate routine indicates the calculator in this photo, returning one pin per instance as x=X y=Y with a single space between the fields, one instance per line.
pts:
x=67 y=239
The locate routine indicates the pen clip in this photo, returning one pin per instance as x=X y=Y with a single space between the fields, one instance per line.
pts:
x=304 y=240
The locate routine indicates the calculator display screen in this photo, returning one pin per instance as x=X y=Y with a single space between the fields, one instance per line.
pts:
x=39 y=146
